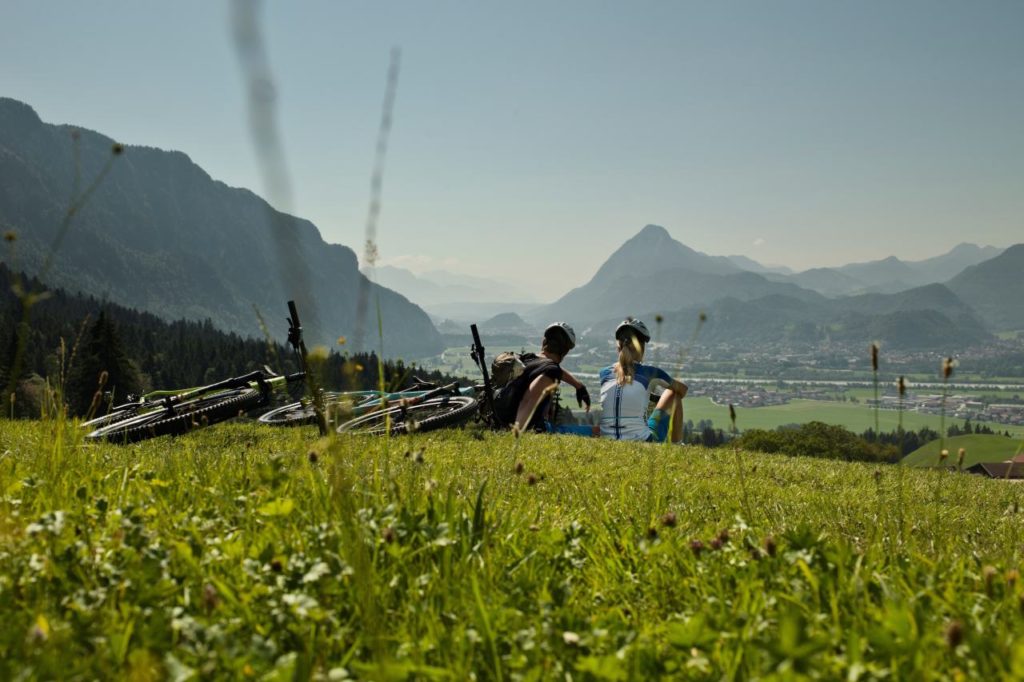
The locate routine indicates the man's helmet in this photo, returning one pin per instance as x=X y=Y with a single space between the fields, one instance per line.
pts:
x=636 y=326
x=565 y=329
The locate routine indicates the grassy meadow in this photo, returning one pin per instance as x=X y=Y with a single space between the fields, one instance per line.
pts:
x=242 y=552
x=977 y=448
x=856 y=417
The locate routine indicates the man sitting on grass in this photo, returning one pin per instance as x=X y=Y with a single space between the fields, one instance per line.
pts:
x=529 y=394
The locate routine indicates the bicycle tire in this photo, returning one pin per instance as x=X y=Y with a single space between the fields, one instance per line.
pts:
x=115 y=415
x=183 y=417
x=429 y=415
x=301 y=412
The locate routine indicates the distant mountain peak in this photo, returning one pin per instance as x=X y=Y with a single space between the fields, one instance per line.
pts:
x=653 y=232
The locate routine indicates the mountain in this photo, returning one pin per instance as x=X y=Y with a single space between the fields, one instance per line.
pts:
x=926 y=318
x=995 y=289
x=891 y=275
x=950 y=264
x=826 y=281
x=655 y=271
x=159 y=234
x=652 y=250
x=651 y=274
x=509 y=323
x=751 y=265
x=451 y=295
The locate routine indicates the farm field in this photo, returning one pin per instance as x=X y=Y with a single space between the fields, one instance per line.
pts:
x=977 y=448
x=243 y=552
x=855 y=417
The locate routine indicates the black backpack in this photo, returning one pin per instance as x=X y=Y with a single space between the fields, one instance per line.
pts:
x=508 y=397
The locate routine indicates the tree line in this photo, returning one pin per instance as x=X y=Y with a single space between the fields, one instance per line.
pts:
x=71 y=341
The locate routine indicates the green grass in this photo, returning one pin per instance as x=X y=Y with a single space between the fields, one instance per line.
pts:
x=243 y=552
x=855 y=417
x=977 y=448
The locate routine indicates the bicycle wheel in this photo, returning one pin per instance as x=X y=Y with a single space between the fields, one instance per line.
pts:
x=301 y=413
x=115 y=415
x=161 y=421
x=426 y=416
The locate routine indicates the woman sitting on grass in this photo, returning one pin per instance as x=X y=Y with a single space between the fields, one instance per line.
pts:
x=626 y=387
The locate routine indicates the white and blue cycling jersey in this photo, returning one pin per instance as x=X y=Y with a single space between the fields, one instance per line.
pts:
x=623 y=408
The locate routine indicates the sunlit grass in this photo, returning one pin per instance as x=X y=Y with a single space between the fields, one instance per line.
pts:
x=239 y=549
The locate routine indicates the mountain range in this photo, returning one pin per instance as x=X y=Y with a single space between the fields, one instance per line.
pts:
x=891 y=274
x=652 y=274
x=447 y=295
x=159 y=234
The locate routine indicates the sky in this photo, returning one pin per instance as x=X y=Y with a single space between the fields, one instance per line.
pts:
x=530 y=139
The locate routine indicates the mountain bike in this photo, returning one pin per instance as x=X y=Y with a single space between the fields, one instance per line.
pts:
x=173 y=412
x=422 y=407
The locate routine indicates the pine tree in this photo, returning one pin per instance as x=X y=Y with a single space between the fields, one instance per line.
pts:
x=103 y=352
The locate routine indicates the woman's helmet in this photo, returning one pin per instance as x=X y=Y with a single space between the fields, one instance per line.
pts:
x=636 y=326
x=565 y=329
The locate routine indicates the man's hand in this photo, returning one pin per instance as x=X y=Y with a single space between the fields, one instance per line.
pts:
x=583 y=396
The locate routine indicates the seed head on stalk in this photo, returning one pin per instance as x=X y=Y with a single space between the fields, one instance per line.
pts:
x=874 y=379
x=947 y=371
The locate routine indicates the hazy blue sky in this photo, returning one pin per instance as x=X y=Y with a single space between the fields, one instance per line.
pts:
x=533 y=138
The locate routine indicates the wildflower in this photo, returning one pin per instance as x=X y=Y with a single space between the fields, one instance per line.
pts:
x=210 y=597
x=954 y=633
x=658 y=319
x=960 y=457
x=947 y=367
x=732 y=416
x=276 y=566
x=570 y=638
x=313 y=457
x=418 y=457
x=878 y=476
x=39 y=632
x=943 y=455
x=519 y=468
x=696 y=546
x=117 y=149
x=723 y=536
x=342 y=340
x=769 y=545
x=531 y=479
x=716 y=544
x=10 y=236
x=989 y=574
x=669 y=520
x=76 y=134
x=703 y=317
x=388 y=534
x=874 y=356
x=1012 y=576
x=901 y=386
x=652 y=533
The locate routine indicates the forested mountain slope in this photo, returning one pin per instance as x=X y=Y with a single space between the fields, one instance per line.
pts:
x=161 y=235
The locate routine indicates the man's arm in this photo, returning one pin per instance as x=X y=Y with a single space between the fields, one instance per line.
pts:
x=582 y=395
x=539 y=387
